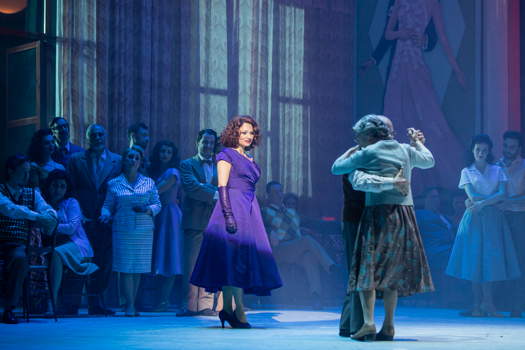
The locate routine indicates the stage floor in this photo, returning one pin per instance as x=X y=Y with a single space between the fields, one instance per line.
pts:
x=417 y=328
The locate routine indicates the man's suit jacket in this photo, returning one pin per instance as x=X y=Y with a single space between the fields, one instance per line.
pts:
x=90 y=190
x=199 y=199
x=63 y=158
x=353 y=202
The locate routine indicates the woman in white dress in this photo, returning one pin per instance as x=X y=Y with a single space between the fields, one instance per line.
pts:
x=483 y=252
x=131 y=201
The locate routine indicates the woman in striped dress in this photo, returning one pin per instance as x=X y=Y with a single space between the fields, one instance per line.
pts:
x=131 y=201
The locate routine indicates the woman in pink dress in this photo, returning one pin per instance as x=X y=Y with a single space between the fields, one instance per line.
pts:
x=410 y=98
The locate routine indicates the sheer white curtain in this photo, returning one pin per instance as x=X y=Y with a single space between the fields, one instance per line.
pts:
x=76 y=65
x=251 y=61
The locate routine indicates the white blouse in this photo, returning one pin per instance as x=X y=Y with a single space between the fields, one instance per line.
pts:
x=486 y=183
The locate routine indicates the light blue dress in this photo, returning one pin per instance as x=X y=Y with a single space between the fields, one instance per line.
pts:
x=483 y=250
x=167 y=240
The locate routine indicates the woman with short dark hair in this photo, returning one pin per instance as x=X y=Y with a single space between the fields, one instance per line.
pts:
x=39 y=152
x=76 y=252
x=483 y=251
x=167 y=239
x=131 y=202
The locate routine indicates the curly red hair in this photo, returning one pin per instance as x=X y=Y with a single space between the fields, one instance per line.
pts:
x=230 y=135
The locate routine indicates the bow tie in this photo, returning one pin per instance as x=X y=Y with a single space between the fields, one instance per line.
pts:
x=207 y=161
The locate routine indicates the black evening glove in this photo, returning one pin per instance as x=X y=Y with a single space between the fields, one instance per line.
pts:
x=224 y=198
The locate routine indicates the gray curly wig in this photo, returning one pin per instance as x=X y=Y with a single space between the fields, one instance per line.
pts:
x=373 y=125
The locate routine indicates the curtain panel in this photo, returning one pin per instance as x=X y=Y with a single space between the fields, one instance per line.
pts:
x=118 y=63
x=181 y=66
x=288 y=64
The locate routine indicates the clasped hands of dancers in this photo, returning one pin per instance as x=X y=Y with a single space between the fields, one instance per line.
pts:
x=236 y=257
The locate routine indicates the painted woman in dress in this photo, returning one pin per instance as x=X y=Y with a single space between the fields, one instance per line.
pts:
x=131 y=202
x=483 y=251
x=235 y=255
x=167 y=240
x=410 y=97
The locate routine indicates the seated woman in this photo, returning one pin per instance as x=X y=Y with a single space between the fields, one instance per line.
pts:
x=290 y=245
x=75 y=252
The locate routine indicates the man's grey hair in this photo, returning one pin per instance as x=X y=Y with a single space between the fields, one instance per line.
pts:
x=373 y=125
x=95 y=125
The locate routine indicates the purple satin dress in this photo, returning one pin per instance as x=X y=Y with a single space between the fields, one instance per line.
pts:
x=243 y=259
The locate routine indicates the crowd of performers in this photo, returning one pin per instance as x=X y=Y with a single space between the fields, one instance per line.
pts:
x=121 y=213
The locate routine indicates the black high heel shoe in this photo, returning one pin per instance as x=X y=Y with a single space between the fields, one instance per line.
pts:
x=224 y=316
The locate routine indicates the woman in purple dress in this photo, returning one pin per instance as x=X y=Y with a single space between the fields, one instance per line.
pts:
x=167 y=239
x=235 y=255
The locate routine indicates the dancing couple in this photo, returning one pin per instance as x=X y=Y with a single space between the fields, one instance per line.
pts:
x=388 y=258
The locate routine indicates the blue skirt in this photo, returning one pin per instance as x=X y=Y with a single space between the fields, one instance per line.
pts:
x=484 y=250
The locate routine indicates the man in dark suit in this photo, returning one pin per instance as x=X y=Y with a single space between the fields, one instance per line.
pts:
x=353 y=206
x=64 y=148
x=90 y=172
x=199 y=181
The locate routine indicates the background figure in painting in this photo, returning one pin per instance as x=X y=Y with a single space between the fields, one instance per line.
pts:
x=514 y=208
x=483 y=251
x=89 y=173
x=64 y=149
x=235 y=255
x=385 y=46
x=290 y=245
x=131 y=202
x=199 y=182
x=410 y=98
x=389 y=255
x=73 y=249
x=167 y=240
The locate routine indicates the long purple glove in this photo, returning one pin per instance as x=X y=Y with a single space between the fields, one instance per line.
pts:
x=224 y=197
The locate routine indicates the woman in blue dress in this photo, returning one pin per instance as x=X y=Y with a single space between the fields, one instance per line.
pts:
x=483 y=251
x=167 y=239
x=235 y=255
